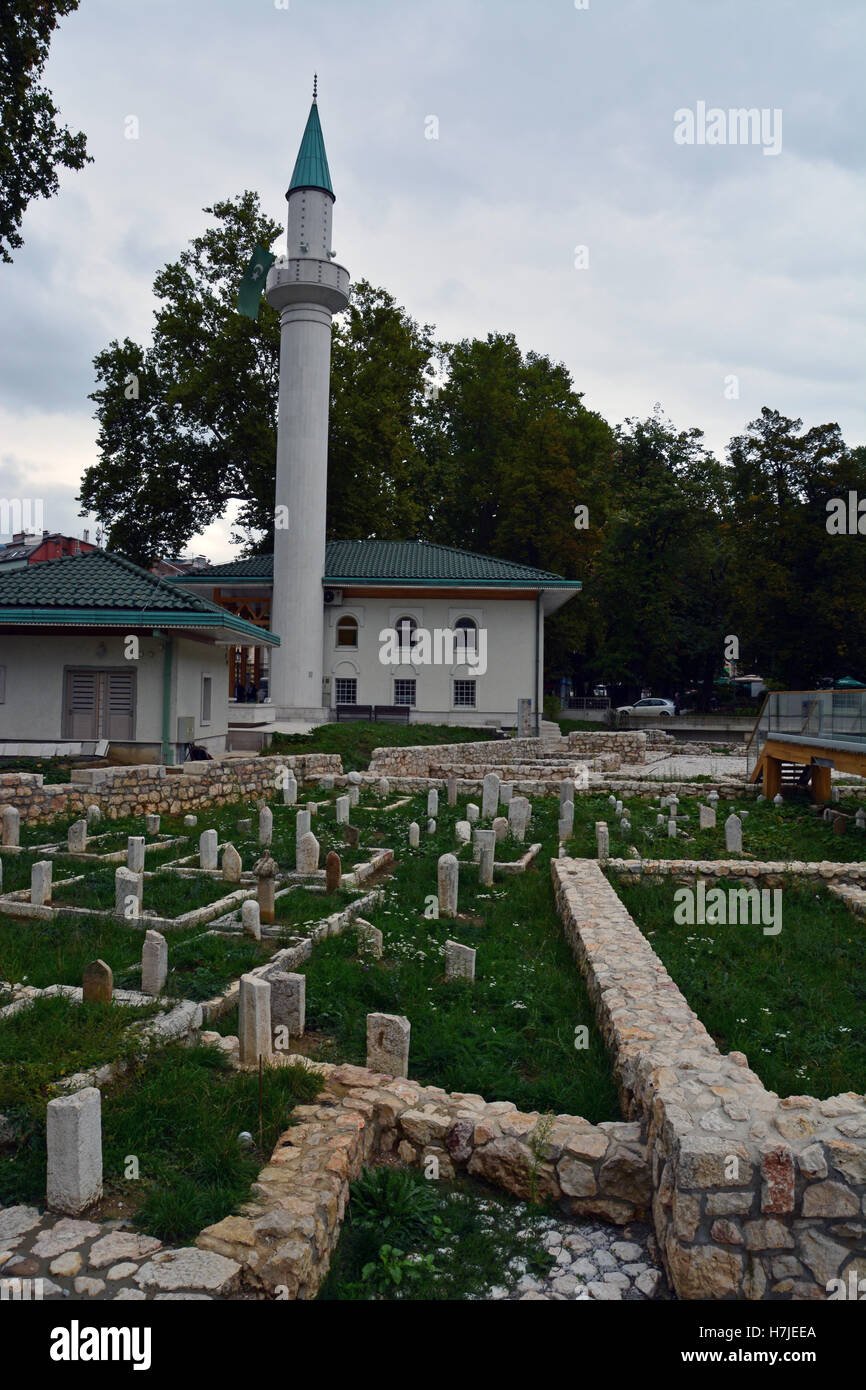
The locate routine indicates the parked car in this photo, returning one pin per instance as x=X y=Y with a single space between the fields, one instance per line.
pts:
x=651 y=707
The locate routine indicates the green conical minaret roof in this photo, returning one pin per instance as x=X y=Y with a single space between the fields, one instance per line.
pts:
x=311 y=166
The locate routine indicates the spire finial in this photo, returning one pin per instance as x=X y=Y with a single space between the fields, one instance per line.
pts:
x=315 y=84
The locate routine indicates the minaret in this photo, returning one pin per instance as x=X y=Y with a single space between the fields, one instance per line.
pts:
x=307 y=288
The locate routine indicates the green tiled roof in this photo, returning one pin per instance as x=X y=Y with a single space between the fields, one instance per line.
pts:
x=394 y=562
x=102 y=589
x=311 y=166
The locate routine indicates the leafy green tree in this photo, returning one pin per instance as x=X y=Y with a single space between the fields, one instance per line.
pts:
x=798 y=590
x=188 y=425
x=511 y=452
x=32 y=144
x=662 y=571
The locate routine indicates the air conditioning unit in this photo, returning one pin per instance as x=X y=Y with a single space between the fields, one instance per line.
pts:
x=334 y=597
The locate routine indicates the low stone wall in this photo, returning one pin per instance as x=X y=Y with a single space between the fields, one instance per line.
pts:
x=765 y=874
x=630 y=744
x=283 y=1239
x=753 y=1197
x=652 y=787
x=154 y=789
x=416 y=761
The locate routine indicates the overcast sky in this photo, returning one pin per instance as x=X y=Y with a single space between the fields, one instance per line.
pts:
x=556 y=129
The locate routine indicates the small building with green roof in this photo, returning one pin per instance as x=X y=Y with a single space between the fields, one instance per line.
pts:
x=95 y=650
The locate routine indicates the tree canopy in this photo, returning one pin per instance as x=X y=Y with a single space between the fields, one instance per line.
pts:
x=32 y=144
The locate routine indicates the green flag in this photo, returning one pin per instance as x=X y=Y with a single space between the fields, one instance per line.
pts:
x=250 y=292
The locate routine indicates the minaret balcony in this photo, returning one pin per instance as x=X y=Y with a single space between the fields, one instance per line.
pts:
x=306 y=280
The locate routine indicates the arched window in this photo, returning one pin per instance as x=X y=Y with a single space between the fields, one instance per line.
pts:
x=406 y=628
x=347 y=632
x=468 y=640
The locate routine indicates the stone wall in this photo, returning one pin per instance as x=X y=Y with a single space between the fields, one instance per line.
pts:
x=416 y=761
x=766 y=874
x=283 y=1239
x=630 y=744
x=753 y=1196
x=152 y=788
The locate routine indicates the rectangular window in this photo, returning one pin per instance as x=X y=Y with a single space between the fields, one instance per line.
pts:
x=404 y=693
x=464 y=694
x=206 y=698
x=347 y=690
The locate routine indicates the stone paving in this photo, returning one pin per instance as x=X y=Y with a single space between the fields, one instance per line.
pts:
x=594 y=1263
x=82 y=1259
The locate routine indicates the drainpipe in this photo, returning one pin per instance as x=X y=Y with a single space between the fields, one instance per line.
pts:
x=167 y=657
x=537 y=649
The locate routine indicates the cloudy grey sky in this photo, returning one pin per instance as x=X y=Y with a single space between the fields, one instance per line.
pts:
x=555 y=131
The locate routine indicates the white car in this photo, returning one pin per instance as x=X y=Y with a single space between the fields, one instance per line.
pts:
x=652 y=706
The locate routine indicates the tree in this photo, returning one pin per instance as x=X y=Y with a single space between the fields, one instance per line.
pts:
x=201 y=430
x=662 y=571
x=799 y=592
x=511 y=452
x=32 y=145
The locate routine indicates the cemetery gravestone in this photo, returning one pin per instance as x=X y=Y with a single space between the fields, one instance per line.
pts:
x=432 y=802
x=333 y=872
x=307 y=856
x=486 y=841
x=472 y=812
x=76 y=837
x=288 y=1002
x=602 y=839
x=459 y=961
x=707 y=817
x=734 y=835
x=290 y=790
x=369 y=939
x=208 y=845
x=302 y=825
x=151 y=825
x=73 y=1140
x=351 y=836
x=342 y=810
x=154 y=963
x=232 y=865
x=500 y=828
x=266 y=825
x=489 y=795
x=135 y=854
x=414 y=835
x=254 y=1019
x=448 y=872
x=463 y=831
x=452 y=790
x=128 y=892
x=40 y=883
x=97 y=983
x=250 y=920
x=388 y=1044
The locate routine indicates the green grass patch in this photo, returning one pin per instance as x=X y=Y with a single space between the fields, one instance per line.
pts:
x=795 y=1003
x=409 y=1238
x=53 y=1038
x=168 y=895
x=355 y=741
x=179 y=1113
x=511 y=1035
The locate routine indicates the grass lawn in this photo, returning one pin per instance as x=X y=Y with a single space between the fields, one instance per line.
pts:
x=179 y=1112
x=409 y=1238
x=795 y=1003
x=355 y=741
x=168 y=895
x=53 y=1038
x=510 y=1036
x=789 y=832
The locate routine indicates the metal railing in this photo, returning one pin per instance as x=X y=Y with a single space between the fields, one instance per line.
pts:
x=827 y=716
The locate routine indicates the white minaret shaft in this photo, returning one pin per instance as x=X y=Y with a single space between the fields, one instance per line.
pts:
x=307 y=289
